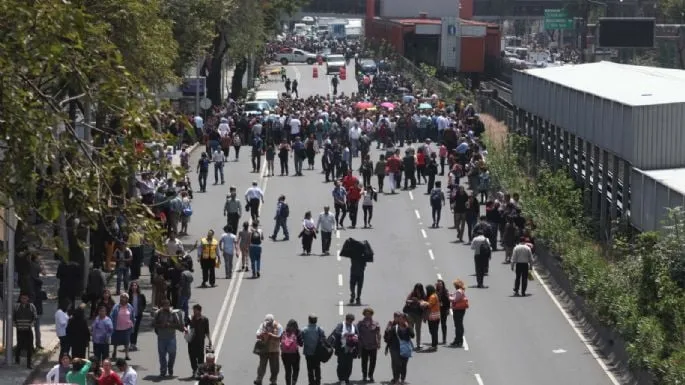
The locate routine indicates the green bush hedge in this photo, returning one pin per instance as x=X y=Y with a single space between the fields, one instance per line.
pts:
x=639 y=291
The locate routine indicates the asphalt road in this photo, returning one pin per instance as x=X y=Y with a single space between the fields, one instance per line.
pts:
x=308 y=85
x=509 y=340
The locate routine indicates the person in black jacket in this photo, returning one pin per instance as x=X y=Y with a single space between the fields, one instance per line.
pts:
x=409 y=166
x=139 y=303
x=398 y=329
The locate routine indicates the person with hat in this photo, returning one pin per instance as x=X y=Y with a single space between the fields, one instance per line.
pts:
x=207 y=254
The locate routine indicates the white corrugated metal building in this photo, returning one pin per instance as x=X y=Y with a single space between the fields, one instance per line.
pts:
x=633 y=113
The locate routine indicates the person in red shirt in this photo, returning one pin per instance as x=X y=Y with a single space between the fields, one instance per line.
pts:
x=108 y=376
x=354 y=194
x=393 y=164
x=420 y=166
x=349 y=180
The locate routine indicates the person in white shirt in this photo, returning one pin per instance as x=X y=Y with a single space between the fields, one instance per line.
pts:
x=58 y=373
x=199 y=122
x=127 y=374
x=224 y=128
x=228 y=247
x=218 y=159
x=482 y=253
x=295 y=125
x=61 y=321
x=173 y=244
x=355 y=133
x=254 y=196
x=326 y=223
x=521 y=263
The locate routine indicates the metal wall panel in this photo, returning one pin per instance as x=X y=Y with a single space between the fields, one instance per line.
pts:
x=412 y=8
x=658 y=137
x=661 y=202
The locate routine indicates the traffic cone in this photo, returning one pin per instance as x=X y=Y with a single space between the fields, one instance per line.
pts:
x=319 y=59
x=343 y=73
x=315 y=72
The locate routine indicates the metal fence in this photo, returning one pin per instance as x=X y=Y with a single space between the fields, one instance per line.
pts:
x=497 y=109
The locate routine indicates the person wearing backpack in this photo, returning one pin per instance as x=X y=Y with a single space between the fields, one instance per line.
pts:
x=256 y=238
x=281 y=218
x=291 y=340
x=482 y=254
x=312 y=338
x=459 y=303
x=398 y=335
x=437 y=200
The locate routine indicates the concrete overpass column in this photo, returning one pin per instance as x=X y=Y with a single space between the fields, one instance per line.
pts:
x=596 y=180
x=587 y=168
x=604 y=228
x=613 y=210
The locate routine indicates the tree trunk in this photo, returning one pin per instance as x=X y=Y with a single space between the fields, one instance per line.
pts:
x=238 y=73
x=214 y=80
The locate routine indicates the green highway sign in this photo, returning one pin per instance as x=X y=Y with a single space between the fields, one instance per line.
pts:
x=557 y=19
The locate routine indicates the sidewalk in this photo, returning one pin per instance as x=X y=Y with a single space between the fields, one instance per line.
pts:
x=43 y=360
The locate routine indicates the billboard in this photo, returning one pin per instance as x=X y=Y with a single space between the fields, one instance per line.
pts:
x=450 y=43
x=408 y=9
x=633 y=32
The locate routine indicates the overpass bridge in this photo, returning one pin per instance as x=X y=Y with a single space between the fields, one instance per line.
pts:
x=297 y=16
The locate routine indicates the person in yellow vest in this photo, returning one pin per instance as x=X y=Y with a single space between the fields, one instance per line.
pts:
x=135 y=243
x=207 y=255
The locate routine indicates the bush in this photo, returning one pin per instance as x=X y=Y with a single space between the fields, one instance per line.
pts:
x=639 y=291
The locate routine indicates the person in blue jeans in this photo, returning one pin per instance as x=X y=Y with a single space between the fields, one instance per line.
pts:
x=256 y=238
x=166 y=324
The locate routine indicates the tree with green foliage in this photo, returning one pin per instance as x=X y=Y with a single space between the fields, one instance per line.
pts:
x=62 y=60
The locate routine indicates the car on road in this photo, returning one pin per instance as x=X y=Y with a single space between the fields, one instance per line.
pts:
x=294 y=55
x=256 y=107
x=334 y=63
x=268 y=96
x=368 y=67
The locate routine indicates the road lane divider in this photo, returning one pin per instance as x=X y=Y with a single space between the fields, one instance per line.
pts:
x=337 y=234
x=411 y=196
x=439 y=276
x=431 y=255
x=418 y=215
x=341 y=307
x=479 y=379
x=340 y=280
x=229 y=315
x=423 y=233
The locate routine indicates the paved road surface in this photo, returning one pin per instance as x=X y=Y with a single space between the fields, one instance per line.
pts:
x=314 y=86
x=514 y=341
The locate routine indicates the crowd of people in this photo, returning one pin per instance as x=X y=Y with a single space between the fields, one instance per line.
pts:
x=423 y=140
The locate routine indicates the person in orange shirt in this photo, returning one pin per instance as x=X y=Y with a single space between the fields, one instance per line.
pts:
x=433 y=307
x=354 y=194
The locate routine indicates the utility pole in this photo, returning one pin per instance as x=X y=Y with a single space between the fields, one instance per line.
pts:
x=10 y=226
x=585 y=15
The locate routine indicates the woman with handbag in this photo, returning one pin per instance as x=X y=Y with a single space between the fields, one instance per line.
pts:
x=123 y=320
x=414 y=309
x=308 y=233
x=398 y=335
x=459 y=303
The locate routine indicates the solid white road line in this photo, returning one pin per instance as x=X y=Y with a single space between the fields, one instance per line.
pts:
x=340 y=280
x=439 y=276
x=341 y=307
x=411 y=196
x=479 y=380
x=430 y=254
x=337 y=234
x=227 y=321
x=423 y=232
x=585 y=341
x=224 y=306
x=418 y=216
x=298 y=74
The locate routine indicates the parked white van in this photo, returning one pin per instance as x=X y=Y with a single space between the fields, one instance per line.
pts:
x=269 y=96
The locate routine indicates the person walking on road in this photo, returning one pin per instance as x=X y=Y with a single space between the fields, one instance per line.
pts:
x=218 y=159
x=281 y=219
x=139 y=303
x=345 y=339
x=357 y=269
x=340 y=204
x=482 y=253
x=326 y=223
x=368 y=196
x=293 y=87
x=521 y=263
x=128 y=375
x=123 y=320
x=354 y=195
x=23 y=316
x=444 y=298
x=102 y=331
x=185 y=289
x=283 y=152
x=288 y=85
x=198 y=329
x=123 y=258
x=334 y=84
x=209 y=373
x=166 y=323
x=203 y=171
x=291 y=340
x=244 y=245
x=433 y=310
x=437 y=200
x=398 y=335
x=257 y=149
x=268 y=348
x=254 y=196
x=459 y=211
x=459 y=303
x=207 y=253
x=369 y=343
x=256 y=238
x=308 y=233
x=229 y=246
x=312 y=336
x=233 y=209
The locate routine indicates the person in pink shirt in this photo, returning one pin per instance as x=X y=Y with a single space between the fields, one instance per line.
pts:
x=123 y=317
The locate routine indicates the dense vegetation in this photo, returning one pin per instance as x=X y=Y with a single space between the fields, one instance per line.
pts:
x=637 y=288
